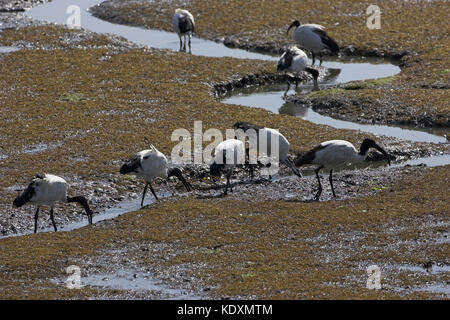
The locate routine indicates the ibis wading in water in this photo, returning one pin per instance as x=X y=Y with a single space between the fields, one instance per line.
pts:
x=336 y=153
x=150 y=164
x=183 y=25
x=227 y=155
x=265 y=137
x=313 y=37
x=45 y=190
x=295 y=60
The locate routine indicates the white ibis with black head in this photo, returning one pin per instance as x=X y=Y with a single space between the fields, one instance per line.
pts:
x=150 y=164
x=270 y=136
x=336 y=153
x=295 y=60
x=313 y=37
x=227 y=155
x=184 y=25
x=45 y=190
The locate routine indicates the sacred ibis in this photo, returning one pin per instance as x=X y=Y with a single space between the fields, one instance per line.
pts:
x=295 y=60
x=227 y=155
x=336 y=153
x=313 y=38
x=183 y=24
x=45 y=190
x=264 y=139
x=150 y=164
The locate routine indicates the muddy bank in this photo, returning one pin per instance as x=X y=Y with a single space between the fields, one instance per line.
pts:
x=226 y=248
x=119 y=12
x=205 y=243
x=380 y=111
x=338 y=106
x=110 y=190
x=12 y=18
x=107 y=189
x=11 y=6
x=422 y=73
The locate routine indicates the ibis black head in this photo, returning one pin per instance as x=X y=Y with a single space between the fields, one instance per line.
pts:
x=295 y=23
x=245 y=126
x=176 y=172
x=28 y=193
x=369 y=143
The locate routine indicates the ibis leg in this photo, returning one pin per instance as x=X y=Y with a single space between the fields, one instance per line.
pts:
x=319 y=192
x=153 y=191
x=320 y=54
x=36 y=215
x=331 y=182
x=313 y=58
x=53 y=219
x=143 y=194
x=228 y=182
x=287 y=89
x=145 y=191
x=181 y=43
x=252 y=171
x=316 y=85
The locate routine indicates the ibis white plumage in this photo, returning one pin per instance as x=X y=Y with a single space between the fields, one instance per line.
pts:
x=45 y=190
x=295 y=60
x=265 y=138
x=313 y=38
x=184 y=25
x=336 y=153
x=150 y=164
x=227 y=155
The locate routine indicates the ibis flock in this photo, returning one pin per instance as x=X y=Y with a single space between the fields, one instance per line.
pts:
x=151 y=164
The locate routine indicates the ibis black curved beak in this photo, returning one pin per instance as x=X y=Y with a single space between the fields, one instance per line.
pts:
x=385 y=154
x=290 y=27
x=296 y=23
x=84 y=203
x=177 y=173
x=185 y=183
